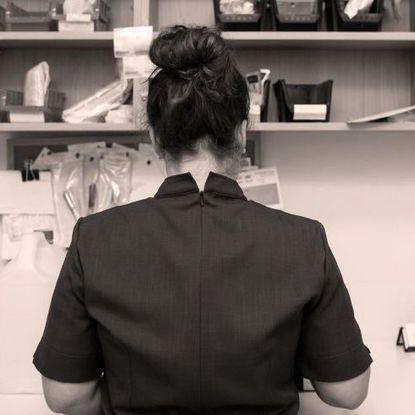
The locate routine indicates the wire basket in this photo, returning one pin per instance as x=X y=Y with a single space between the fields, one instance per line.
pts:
x=14 y=18
x=12 y=101
x=10 y=97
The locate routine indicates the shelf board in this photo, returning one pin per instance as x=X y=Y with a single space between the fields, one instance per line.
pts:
x=323 y=40
x=266 y=128
x=65 y=127
x=306 y=127
x=56 y=39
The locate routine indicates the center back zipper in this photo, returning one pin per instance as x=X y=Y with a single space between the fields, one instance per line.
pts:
x=202 y=203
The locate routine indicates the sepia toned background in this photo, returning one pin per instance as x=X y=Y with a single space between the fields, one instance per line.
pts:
x=359 y=182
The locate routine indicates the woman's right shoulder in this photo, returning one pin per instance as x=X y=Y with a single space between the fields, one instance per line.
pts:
x=286 y=218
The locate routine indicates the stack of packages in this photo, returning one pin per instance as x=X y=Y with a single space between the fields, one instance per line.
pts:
x=258 y=86
x=88 y=178
x=91 y=177
x=83 y=16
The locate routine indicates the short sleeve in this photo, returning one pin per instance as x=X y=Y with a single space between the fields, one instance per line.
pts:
x=331 y=348
x=69 y=350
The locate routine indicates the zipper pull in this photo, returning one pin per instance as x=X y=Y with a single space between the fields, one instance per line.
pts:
x=202 y=201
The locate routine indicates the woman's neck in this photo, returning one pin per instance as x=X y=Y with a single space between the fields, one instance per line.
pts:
x=199 y=165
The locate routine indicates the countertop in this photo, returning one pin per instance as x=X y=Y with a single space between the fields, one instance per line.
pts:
x=391 y=391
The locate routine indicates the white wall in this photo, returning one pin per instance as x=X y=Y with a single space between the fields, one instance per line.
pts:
x=3 y=165
x=362 y=188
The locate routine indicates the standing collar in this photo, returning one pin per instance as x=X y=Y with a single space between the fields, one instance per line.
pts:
x=185 y=183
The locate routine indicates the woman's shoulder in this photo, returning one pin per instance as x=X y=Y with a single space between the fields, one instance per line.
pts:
x=285 y=217
x=118 y=214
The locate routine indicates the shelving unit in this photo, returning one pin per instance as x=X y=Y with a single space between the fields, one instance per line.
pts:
x=80 y=64
x=372 y=71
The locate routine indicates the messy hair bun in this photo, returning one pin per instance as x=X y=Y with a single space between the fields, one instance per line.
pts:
x=198 y=91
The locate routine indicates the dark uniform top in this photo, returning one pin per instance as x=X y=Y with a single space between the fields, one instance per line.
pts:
x=196 y=302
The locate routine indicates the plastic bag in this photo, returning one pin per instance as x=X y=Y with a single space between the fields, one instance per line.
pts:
x=237 y=6
x=47 y=159
x=113 y=186
x=36 y=85
x=353 y=7
x=148 y=173
x=95 y=107
x=91 y=175
x=67 y=185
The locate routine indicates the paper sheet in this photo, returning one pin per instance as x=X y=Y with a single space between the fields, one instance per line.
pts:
x=131 y=41
x=262 y=186
x=147 y=175
x=31 y=197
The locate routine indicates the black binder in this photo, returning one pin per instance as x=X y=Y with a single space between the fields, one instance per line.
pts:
x=264 y=107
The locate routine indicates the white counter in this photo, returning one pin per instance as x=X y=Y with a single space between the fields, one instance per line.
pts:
x=391 y=392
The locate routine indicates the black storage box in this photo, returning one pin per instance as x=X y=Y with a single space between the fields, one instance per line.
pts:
x=241 y=22
x=16 y=19
x=12 y=101
x=305 y=94
x=299 y=15
x=338 y=20
x=7 y=98
x=101 y=15
x=2 y=18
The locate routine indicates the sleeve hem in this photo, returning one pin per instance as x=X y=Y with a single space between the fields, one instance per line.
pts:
x=338 y=368
x=63 y=368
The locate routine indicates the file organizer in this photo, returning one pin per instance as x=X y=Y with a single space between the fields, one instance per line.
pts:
x=241 y=22
x=289 y=95
x=2 y=18
x=339 y=21
x=264 y=106
x=298 y=15
x=16 y=19
x=101 y=14
x=12 y=101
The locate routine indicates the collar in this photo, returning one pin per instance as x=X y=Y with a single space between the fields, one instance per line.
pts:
x=185 y=183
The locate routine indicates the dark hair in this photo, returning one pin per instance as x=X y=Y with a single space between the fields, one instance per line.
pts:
x=198 y=91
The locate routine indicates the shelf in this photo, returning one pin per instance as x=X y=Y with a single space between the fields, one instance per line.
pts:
x=323 y=40
x=269 y=127
x=64 y=127
x=306 y=127
x=383 y=40
x=56 y=40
